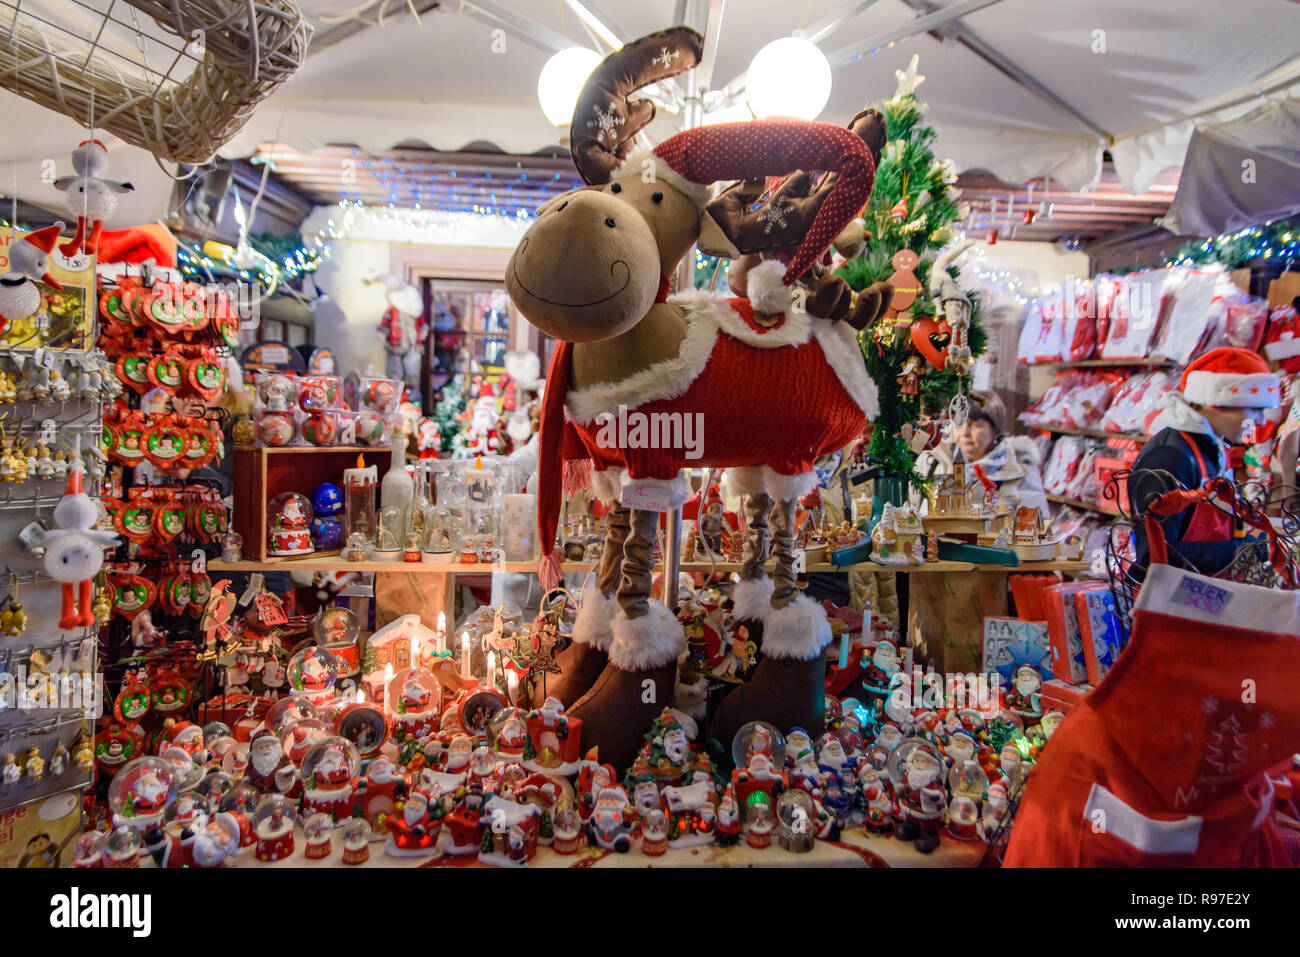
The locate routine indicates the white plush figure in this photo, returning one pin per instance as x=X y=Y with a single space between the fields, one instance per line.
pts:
x=91 y=198
x=956 y=304
x=74 y=552
x=19 y=295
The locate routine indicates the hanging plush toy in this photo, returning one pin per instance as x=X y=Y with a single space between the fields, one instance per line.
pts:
x=91 y=198
x=74 y=552
x=20 y=297
x=404 y=329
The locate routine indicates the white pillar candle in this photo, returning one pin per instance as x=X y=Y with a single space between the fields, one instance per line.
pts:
x=512 y=686
x=464 y=654
x=442 y=632
x=491 y=670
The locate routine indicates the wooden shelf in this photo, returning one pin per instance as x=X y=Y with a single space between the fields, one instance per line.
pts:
x=1090 y=433
x=335 y=564
x=1107 y=363
x=1102 y=509
x=300 y=449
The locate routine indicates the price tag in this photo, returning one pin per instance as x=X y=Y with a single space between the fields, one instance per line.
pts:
x=648 y=498
x=256 y=582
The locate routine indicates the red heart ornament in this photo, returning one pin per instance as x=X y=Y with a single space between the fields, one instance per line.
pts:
x=922 y=330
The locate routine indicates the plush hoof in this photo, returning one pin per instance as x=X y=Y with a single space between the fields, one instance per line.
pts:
x=634 y=688
x=580 y=666
x=786 y=693
x=618 y=709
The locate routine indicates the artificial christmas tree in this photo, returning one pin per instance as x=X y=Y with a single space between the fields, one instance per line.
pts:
x=910 y=218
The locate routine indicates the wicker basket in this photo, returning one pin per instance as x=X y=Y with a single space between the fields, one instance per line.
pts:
x=238 y=53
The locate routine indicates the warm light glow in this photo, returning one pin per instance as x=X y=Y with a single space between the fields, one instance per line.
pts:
x=442 y=621
x=561 y=81
x=361 y=696
x=361 y=460
x=788 y=77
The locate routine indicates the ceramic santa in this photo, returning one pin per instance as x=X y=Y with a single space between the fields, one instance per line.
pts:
x=265 y=756
x=728 y=826
x=1023 y=697
x=461 y=826
x=511 y=740
x=414 y=832
x=611 y=820
x=874 y=789
x=921 y=801
x=415 y=712
x=327 y=773
x=592 y=779
x=379 y=790
x=758 y=777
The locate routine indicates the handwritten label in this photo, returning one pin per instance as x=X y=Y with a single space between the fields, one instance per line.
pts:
x=647 y=498
x=1202 y=596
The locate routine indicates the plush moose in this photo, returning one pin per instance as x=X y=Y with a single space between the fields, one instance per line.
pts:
x=774 y=383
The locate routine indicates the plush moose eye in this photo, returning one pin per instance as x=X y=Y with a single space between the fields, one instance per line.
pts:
x=658 y=197
x=616 y=188
x=561 y=206
x=609 y=221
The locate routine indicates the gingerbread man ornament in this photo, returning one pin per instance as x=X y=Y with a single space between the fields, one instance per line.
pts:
x=906 y=286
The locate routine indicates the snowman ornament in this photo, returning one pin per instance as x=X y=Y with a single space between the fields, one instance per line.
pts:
x=20 y=297
x=74 y=552
x=91 y=198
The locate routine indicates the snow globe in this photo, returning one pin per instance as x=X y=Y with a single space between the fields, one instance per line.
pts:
x=241 y=802
x=232 y=547
x=758 y=737
x=963 y=818
x=416 y=701
x=1050 y=721
x=356 y=840
x=288 y=711
x=336 y=629
x=273 y=828
x=124 y=848
x=139 y=793
x=90 y=849
x=312 y=672
x=318 y=833
x=289 y=517
x=654 y=833
x=184 y=811
x=214 y=786
x=299 y=738
x=968 y=778
x=798 y=818
x=388 y=535
x=186 y=775
x=440 y=535
x=327 y=773
x=568 y=831
x=759 y=822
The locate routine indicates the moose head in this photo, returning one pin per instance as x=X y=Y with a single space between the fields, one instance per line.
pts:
x=596 y=259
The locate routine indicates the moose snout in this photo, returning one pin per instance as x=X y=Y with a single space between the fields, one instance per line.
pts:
x=587 y=269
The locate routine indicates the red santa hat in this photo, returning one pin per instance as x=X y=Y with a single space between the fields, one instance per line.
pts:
x=44 y=239
x=1234 y=378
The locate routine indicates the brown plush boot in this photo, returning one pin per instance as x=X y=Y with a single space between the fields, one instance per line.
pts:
x=641 y=676
x=788 y=688
x=583 y=661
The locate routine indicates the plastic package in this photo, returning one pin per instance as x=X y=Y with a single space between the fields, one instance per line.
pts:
x=275 y=426
x=379 y=395
x=1191 y=293
x=372 y=428
x=320 y=393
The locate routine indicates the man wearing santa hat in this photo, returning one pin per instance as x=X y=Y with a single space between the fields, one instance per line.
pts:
x=1220 y=400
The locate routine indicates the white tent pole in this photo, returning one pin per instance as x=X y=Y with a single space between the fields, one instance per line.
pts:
x=823 y=28
x=530 y=31
x=919 y=25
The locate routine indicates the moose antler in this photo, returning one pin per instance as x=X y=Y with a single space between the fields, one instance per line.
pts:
x=780 y=221
x=606 y=119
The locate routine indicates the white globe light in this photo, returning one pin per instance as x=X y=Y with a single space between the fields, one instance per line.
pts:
x=561 y=81
x=788 y=77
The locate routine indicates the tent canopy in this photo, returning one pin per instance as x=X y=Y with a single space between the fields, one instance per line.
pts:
x=1021 y=88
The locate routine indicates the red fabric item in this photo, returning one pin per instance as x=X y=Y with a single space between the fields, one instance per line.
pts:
x=1208 y=523
x=664 y=285
x=137 y=244
x=552 y=429
x=759 y=148
x=1169 y=761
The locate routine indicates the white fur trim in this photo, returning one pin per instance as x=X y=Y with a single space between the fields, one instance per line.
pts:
x=783 y=487
x=691 y=703
x=673 y=492
x=1265 y=611
x=606 y=484
x=663 y=380
x=752 y=599
x=634 y=165
x=745 y=479
x=651 y=641
x=766 y=290
x=702 y=306
x=843 y=354
x=797 y=632
x=595 y=620
x=1238 y=391
x=1286 y=346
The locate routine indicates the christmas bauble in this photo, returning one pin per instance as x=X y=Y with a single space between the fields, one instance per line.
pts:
x=327 y=499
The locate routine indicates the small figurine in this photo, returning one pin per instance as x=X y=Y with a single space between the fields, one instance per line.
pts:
x=611 y=819
x=34 y=764
x=909 y=380
x=1023 y=697
x=11 y=772
x=932 y=546
x=59 y=761
x=739 y=658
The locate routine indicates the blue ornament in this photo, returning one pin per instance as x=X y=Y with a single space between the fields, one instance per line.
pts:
x=327 y=499
x=327 y=534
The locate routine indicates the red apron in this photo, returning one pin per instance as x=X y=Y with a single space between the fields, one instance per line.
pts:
x=1208 y=522
x=1171 y=761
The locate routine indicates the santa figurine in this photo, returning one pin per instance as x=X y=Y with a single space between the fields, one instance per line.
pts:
x=147 y=801
x=458 y=754
x=921 y=802
x=511 y=739
x=728 y=820
x=883 y=666
x=484 y=770
x=265 y=756
x=415 y=831
x=592 y=778
x=1023 y=697
x=415 y=713
x=874 y=791
x=327 y=785
x=758 y=776
x=274 y=829
x=378 y=792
